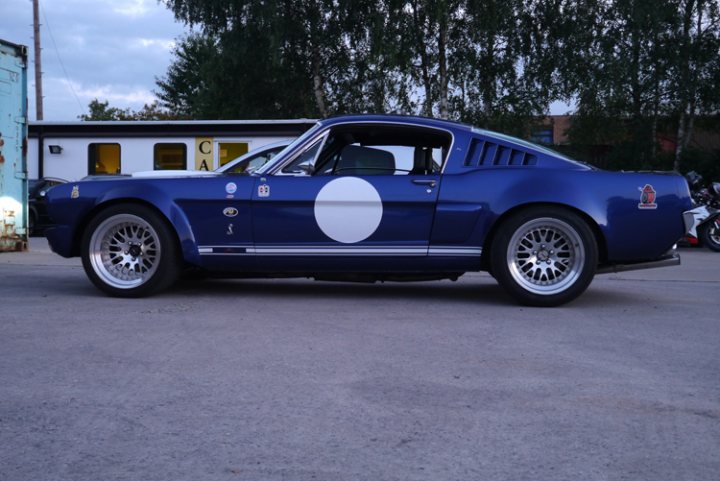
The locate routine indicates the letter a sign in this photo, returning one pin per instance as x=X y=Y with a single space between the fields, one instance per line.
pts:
x=204 y=153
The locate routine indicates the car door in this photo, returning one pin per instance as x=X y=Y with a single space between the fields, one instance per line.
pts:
x=346 y=200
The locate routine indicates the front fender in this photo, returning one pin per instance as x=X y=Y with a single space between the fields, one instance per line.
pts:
x=71 y=206
x=159 y=200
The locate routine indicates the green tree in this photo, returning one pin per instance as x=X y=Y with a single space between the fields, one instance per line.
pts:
x=501 y=88
x=189 y=83
x=618 y=70
x=632 y=65
x=102 y=111
x=253 y=59
x=98 y=110
x=695 y=67
x=288 y=58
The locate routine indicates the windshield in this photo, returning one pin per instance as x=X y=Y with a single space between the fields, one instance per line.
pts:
x=278 y=158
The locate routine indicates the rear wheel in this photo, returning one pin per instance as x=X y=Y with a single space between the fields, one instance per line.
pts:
x=544 y=256
x=129 y=251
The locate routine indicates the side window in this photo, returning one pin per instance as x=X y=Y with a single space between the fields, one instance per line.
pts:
x=383 y=150
x=103 y=159
x=356 y=159
x=170 y=156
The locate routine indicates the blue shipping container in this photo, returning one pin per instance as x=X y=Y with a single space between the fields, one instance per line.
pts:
x=13 y=147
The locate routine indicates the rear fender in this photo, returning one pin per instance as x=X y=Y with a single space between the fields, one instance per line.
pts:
x=505 y=194
x=630 y=228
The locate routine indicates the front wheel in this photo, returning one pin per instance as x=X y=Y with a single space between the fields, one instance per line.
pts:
x=710 y=234
x=129 y=251
x=544 y=256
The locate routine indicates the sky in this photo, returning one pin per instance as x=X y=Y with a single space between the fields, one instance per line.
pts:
x=107 y=49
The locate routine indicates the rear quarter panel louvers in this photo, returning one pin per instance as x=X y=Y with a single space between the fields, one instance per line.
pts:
x=485 y=153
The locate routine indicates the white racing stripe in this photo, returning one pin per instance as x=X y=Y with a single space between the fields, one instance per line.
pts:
x=240 y=250
x=454 y=251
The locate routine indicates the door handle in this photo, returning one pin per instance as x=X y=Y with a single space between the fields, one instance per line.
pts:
x=428 y=182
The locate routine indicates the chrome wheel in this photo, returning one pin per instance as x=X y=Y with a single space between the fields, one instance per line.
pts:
x=124 y=251
x=545 y=256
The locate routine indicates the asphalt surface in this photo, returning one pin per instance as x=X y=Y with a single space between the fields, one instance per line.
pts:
x=302 y=380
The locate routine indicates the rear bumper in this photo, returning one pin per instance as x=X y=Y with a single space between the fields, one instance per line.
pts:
x=671 y=258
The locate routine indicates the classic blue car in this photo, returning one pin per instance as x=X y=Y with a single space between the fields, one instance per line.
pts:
x=368 y=198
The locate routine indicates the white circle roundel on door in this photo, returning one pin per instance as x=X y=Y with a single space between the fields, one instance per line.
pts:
x=348 y=209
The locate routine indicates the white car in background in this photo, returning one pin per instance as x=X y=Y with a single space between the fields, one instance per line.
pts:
x=254 y=159
x=246 y=163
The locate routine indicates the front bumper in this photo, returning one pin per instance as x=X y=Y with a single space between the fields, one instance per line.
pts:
x=60 y=240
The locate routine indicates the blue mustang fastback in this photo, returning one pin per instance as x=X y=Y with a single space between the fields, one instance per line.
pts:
x=377 y=197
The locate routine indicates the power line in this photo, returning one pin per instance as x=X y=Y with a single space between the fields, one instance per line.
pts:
x=62 y=65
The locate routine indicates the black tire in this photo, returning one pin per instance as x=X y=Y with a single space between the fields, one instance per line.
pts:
x=128 y=250
x=32 y=223
x=710 y=235
x=544 y=256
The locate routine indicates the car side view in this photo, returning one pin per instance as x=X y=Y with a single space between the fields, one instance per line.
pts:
x=379 y=197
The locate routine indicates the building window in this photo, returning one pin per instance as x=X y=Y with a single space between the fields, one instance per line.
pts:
x=104 y=159
x=229 y=151
x=542 y=135
x=170 y=157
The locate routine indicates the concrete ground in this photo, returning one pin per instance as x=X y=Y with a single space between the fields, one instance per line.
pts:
x=302 y=380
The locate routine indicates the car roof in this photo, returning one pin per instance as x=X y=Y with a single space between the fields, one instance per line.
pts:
x=417 y=120
x=448 y=125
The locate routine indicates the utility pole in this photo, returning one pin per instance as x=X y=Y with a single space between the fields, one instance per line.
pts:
x=38 y=63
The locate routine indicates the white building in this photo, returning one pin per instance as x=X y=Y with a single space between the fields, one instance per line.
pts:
x=72 y=150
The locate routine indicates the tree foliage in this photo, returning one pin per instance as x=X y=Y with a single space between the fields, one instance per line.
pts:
x=456 y=59
x=635 y=64
x=98 y=110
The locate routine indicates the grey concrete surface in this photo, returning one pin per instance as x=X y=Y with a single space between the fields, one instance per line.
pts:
x=303 y=380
